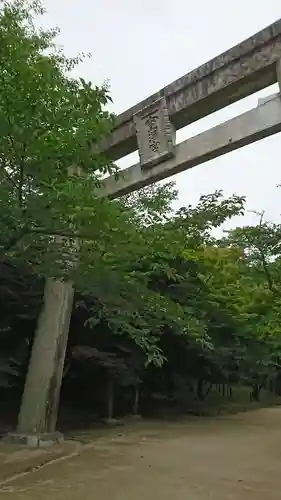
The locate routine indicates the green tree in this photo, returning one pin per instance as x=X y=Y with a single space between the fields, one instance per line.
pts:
x=49 y=122
x=260 y=248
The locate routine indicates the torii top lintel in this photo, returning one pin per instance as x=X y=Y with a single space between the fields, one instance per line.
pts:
x=240 y=71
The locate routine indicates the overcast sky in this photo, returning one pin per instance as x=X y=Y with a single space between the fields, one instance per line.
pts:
x=141 y=46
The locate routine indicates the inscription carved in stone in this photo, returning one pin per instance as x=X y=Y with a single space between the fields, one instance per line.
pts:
x=155 y=134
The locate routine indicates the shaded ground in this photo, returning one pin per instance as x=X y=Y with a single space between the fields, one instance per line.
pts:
x=236 y=457
x=17 y=460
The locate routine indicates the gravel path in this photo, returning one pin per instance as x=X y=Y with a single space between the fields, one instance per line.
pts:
x=236 y=457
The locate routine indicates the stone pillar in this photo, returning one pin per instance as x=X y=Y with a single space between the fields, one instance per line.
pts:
x=278 y=74
x=39 y=407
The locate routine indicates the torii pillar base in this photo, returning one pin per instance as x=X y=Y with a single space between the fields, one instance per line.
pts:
x=42 y=440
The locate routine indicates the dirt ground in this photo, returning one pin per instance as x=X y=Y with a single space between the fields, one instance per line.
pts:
x=235 y=457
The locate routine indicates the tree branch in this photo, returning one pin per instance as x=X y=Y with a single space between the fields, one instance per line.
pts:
x=7 y=175
x=14 y=239
x=21 y=176
x=263 y=260
x=63 y=233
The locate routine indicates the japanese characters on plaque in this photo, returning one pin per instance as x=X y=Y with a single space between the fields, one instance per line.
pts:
x=155 y=134
x=152 y=124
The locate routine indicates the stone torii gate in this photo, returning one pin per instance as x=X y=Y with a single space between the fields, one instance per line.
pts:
x=150 y=127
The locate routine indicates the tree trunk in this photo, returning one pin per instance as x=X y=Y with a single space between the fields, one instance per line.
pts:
x=200 y=386
x=136 y=400
x=39 y=407
x=256 y=393
x=110 y=397
x=230 y=392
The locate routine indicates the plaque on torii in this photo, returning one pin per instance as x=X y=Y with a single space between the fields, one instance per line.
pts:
x=156 y=135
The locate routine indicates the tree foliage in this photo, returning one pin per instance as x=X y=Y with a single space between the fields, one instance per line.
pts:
x=50 y=123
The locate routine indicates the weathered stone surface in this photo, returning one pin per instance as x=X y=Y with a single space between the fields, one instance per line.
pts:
x=38 y=413
x=278 y=73
x=34 y=440
x=267 y=98
x=234 y=74
x=155 y=134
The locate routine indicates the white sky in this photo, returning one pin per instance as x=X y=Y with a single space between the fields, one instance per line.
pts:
x=141 y=46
